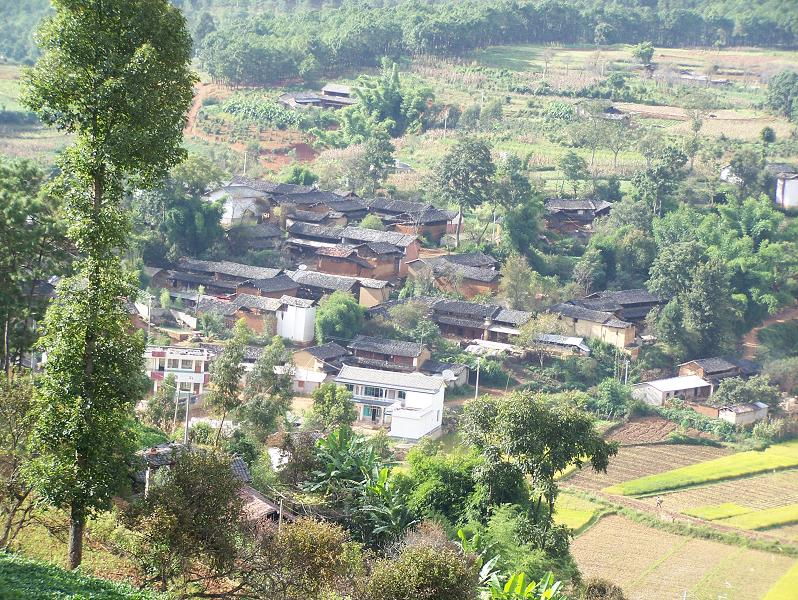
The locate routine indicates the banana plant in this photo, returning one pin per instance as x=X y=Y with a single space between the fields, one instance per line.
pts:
x=487 y=566
x=519 y=587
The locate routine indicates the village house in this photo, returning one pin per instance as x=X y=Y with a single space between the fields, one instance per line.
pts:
x=242 y=205
x=332 y=96
x=689 y=388
x=381 y=353
x=262 y=236
x=453 y=274
x=744 y=414
x=226 y=270
x=786 y=195
x=414 y=218
x=190 y=367
x=409 y=404
x=273 y=287
x=562 y=345
x=376 y=260
x=453 y=374
x=628 y=305
x=289 y=317
x=574 y=217
x=407 y=244
x=596 y=324
x=330 y=218
x=716 y=369
x=314 y=285
x=316 y=365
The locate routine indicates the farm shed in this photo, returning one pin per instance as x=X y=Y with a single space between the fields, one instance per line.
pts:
x=744 y=414
x=659 y=391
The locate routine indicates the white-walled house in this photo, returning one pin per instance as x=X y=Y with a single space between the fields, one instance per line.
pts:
x=296 y=319
x=658 y=392
x=744 y=414
x=787 y=190
x=411 y=404
x=190 y=366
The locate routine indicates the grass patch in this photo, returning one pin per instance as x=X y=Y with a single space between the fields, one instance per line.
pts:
x=147 y=436
x=574 y=512
x=762 y=519
x=713 y=512
x=784 y=589
x=25 y=579
x=780 y=456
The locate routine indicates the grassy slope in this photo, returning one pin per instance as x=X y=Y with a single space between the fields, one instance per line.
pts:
x=24 y=579
x=780 y=456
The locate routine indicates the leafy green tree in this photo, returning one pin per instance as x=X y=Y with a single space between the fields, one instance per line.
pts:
x=590 y=271
x=736 y=390
x=227 y=373
x=465 y=176
x=125 y=101
x=346 y=460
x=269 y=390
x=161 y=405
x=339 y=317
x=372 y=221
x=187 y=526
x=16 y=494
x=574 y=168
x=32 y=239
x=333 y=407
x=644 y=52
x=783 y=94
x=298 y=174
x=656 y=184
x=709 y=309
x=612 y=399
x=673 y=269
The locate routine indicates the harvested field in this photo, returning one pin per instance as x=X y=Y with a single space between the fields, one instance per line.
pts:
x=654 y=565
x=778 y=456
x=647 y=430
x=755 y=493
x=638 y=461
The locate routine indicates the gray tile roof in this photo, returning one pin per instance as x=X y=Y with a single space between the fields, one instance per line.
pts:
x=231 y=269
x=334 y=282
x=579 y=312
x=359 y=234
x=327 y=351
x=562 y=204
x=270 y=187
x=716 y=364
x=389 y=379
x=471 y=259
x=441 y=267
x=273 y=284
x=301 y=229
x=513 y=317
x=377 y=345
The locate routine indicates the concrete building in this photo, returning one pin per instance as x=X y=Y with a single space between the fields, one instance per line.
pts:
x=190 y=366
x=409 y=404
x=660 y=391
x=744 y=414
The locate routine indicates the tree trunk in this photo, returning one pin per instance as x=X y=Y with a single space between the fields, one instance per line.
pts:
x=457 y=230
x=77 y=523
x=219 y=431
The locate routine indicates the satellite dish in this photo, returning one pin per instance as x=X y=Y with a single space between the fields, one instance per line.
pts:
x=448 y=375
x=302 y=268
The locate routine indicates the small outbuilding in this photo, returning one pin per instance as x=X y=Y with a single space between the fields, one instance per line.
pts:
x=660 y=391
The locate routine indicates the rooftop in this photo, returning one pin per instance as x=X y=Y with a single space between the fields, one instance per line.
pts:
x=270 y=187
x=562 y=204
x=471 y=259
x=300 y=228
x=441 y=267
x=390 y=379
x=360 y=234
x=334 y=282
x=273 y=284
x=327 y=351
x=676 y=384
x=377 y=345
x=228 y=268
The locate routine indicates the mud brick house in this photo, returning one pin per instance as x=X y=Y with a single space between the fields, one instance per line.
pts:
x=628 y=305
x=574 y=217
x=314 y=285
x=376 y=260
x=226 y=269
x=407 y=244
x=390 y=355
x=263 y=236
x=331 y=218
x=241 y=205
x=451 y=273
x=273 y=287
x=716 y=369
x=414 y=218
x=316 y=365
x=600 y=325
x=180 y=280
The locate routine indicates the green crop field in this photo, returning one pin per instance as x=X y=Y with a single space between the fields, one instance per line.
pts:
x=763 y=519
x=781 y=456
x=24 y=579
x=785 y=588
x=574 y=512
x=717 y=511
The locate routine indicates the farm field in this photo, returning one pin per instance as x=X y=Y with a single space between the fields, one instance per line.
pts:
x=574 y=512
x=650 y=564
x=647 y=430
x=779 y=456
x=785 y=587
x=636 y=461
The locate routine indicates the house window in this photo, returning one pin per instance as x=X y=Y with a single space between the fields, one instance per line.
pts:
x=366 y=411
x=373 y=392
x=187 y=364
x=401 y=394
x=300 y=384
x=350 y=387
x=172 y=363
x=185 y=386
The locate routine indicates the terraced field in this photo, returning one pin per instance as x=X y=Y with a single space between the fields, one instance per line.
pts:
x=758 y=493
x=639 y=461
x=654 y=565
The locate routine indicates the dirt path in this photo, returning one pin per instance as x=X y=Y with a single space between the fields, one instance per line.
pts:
x=750 y=341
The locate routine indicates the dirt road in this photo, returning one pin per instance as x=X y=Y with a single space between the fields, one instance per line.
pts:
x=750 y=341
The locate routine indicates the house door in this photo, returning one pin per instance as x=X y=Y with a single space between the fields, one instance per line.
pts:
x=376 y=414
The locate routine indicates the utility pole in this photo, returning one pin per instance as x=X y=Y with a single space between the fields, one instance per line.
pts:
x=476 y=388
x=245 y=163
x=185 y=430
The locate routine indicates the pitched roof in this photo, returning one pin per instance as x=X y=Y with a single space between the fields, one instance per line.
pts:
x=270 y=187
x=715 y=364
x=514 y=317
x=327 y=351
x=442 y=268
x=467 y=309
x=259 y=231
x=377 y=345
x=372 y=235
x=308 y=216
x=390 y=379
x=597 y=316
x=562 y=204
x=381 y=247
x=619 y=298
x=319 y=231
x=206 y=280
x=273 y=284
x=471 y=259
x=336 y=88
x=325 y=280
x=676 y=384
x=228 y=268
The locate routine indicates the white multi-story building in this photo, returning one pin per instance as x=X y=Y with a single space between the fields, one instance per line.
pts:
x=411 y=404
x=190 y=366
